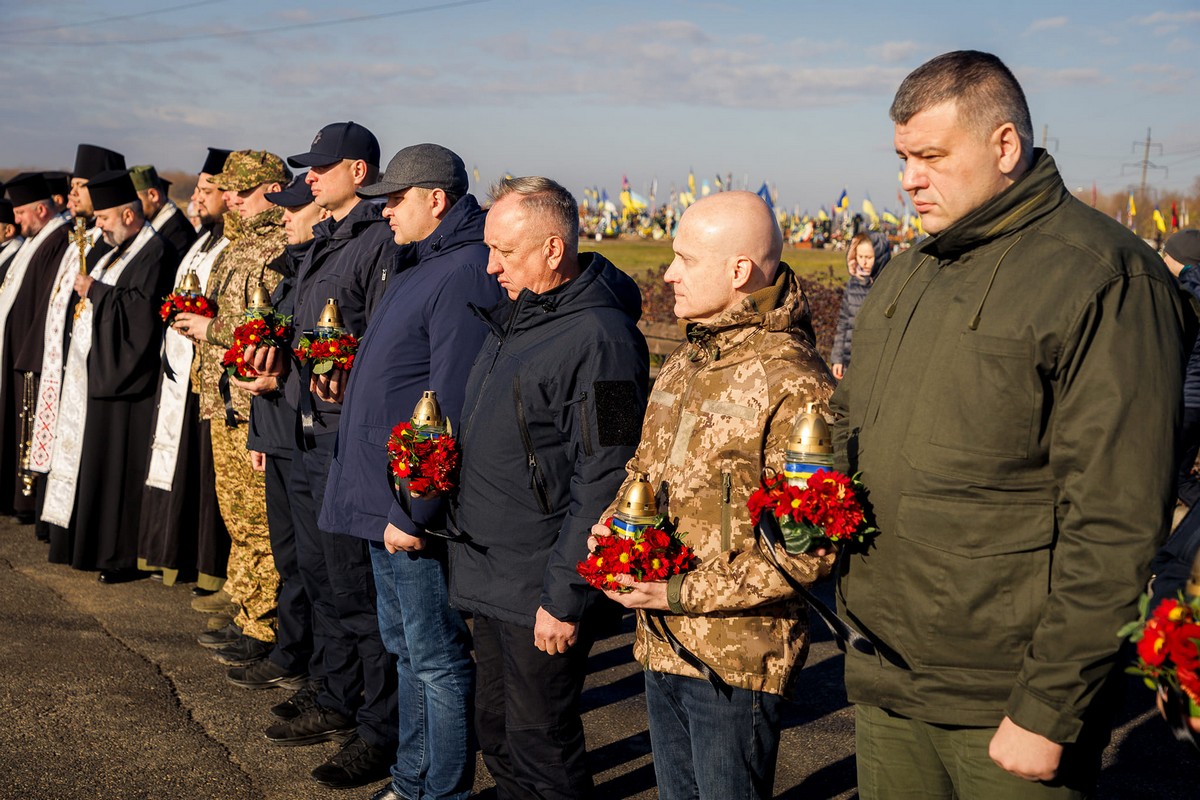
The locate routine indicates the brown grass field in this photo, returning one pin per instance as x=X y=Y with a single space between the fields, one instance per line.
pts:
x=639 y=256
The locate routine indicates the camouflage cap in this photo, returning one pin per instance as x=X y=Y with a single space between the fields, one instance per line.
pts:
x=246 y=169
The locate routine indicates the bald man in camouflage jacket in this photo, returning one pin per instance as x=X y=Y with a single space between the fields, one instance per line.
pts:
x=721 y=411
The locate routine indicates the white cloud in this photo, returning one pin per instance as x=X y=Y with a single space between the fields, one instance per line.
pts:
x=894 y=52
x=1170 y=18
x=1049 y=23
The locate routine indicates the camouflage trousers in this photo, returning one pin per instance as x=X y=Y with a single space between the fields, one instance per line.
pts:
x=253 y=582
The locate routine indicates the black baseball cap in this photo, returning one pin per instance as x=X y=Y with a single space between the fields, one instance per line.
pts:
x=296 y=193
x=429 y=166
x=337 y=141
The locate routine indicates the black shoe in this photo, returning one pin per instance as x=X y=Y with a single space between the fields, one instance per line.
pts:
x=314 y=725
x=214 y=640
x=304 y=699
x=245 y=651
x=356 y=764
x=388 y=793
x=122 y=575
x=265 y=674
x=200 y=592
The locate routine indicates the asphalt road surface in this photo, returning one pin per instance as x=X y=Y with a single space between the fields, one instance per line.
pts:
x=104 y=694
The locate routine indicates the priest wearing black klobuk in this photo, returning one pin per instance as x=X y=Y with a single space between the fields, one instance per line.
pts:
x=90 y=161
x=24 y=296
x=93 y=492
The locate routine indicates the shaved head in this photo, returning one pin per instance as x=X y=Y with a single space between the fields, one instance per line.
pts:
x=728 y=247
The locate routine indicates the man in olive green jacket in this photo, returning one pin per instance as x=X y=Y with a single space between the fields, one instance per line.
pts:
x=1011 y=407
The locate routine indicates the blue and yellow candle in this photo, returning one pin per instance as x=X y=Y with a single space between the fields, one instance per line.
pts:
x=809 y=448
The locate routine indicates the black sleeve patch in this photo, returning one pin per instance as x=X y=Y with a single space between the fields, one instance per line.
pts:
x=618 y=413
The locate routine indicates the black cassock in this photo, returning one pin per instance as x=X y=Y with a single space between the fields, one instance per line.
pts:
x=122 y=378
x=23 y=346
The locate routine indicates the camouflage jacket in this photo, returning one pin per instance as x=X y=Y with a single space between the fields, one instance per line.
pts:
x=720 y=412
x=253 y=244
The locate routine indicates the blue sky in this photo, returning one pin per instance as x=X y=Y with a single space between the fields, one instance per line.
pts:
x=792 y=93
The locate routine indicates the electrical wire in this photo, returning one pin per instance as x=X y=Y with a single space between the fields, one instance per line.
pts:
x=257 y=31
x=106 y=20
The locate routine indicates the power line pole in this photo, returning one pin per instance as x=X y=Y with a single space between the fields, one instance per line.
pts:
x=1145 y=164
x=1047 y=138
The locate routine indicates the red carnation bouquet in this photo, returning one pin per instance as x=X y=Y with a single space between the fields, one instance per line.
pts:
x=180 y=301
x=327 y=352
x=259 y=330
x=428 y=461
x=653 y=553
x=824 y=509
x=1168 y=647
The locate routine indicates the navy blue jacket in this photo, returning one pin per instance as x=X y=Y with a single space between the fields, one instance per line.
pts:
x=554 y=411
x=422 y=336
x=348 y=262
x=1190 y=279
x=272 y=427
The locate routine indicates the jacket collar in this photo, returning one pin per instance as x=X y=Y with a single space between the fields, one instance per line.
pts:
x=1035 y=194
x=462 y=225
x=363 y=214
x=258 y=225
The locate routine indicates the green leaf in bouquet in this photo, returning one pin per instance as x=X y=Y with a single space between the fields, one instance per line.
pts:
x=321 y=367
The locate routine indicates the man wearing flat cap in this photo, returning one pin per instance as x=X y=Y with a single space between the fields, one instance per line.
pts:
x=23 y=299
x=422 y=336
x=256 y=238
x=164 y=215
x=182 y=533
x=351 y=251
x=90 y=160
x=107 y=401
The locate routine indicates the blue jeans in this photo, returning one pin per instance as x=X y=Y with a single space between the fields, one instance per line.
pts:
x=435 y=758
x=707 y=746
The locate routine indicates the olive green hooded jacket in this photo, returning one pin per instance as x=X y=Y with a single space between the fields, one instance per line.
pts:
x=1011 y=406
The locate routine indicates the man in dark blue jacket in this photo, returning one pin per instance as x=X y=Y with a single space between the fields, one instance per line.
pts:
x=554 y=410
x=422 y=336
x=350 y=255
x=292 y=662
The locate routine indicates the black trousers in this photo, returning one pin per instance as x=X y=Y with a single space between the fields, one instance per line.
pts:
x=527 y=712
x=294 y=649
x=359 y=673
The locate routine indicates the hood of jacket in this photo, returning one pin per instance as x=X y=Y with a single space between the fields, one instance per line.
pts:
x=462 y=226
x=259 y=225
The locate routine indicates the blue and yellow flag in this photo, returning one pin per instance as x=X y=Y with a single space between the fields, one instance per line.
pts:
x=1132 y=207
x=1159 y=222
x=843 y=202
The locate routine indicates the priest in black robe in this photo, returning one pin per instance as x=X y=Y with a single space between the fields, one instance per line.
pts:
x=93 y=500
x=10 y=235
x=23 y=300
x=182 y=534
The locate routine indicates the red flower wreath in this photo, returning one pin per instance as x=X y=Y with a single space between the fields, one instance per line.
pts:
x=178 y=302
x=654 y=554
x=428 y=463
x=826 y=509
x=259 y=330
x=327 y=352
x=1168 y=647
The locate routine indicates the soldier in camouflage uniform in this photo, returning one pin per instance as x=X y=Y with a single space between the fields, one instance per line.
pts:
x=254 y=227
x=720 y=413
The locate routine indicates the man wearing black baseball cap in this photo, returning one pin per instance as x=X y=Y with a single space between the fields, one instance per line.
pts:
x=272 y=431
x=23 y=300
x=350 y=254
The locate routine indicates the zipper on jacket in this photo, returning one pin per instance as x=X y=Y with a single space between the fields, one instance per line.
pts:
x=726 y=511
x=584 y=422
x=535 y=471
